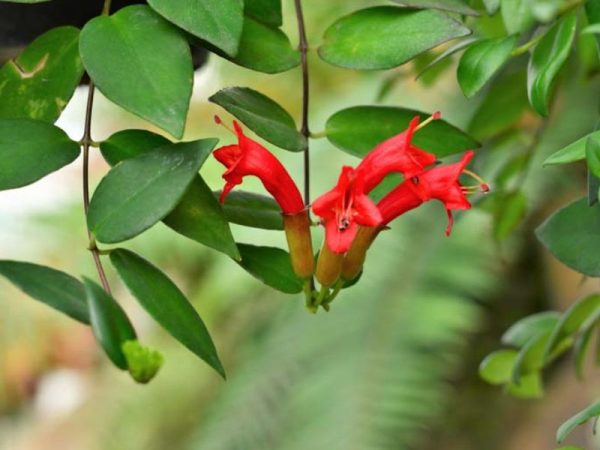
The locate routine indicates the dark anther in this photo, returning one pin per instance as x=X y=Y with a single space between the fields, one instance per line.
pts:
x=344 y=224
x=415 y=180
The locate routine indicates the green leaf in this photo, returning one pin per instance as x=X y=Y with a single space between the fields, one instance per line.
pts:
x=481 y=61
x=139 y=192
x=593 y=185
x=52 y=287
x=142 y=63
x=572 y=152
x=109 y=322
x=451 y=50
x=30 y=150
x=578 y=419
x=262 y=115
x=128 y=144
x=359 y=129
x=198 y=215
x=456 y=6
x=592 y=154
x=571 y=321
x=41 y=81
x=571 y=235
x=516 y=15
x=491 y=6
x=581 y=346
x=216 y=21
x=510 y=214
x=266 y=11
x=530 y=386
x=166 y=304
x=594 y=28
x=547 y=58
x=272 y=266
x=497 y=367
x=531 y=357
x=252 y=210
x=143 y=363
x=264 y=48
x=527 y=328
x=503 y=105
x=385 y=36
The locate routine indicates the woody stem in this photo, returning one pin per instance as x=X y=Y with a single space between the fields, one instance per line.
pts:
x=303 y=48
x=86 y=143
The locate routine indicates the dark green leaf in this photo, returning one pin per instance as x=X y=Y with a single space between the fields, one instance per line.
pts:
x=572 y=320
x=139 y=192
x=216 y=21
x=109 y=322
x=578 y=419
x=272 y=266
x=510 y=213
x=447 y=53
x=592 y=12
x=385 y=36
x=592 y=154
x=143 y=362
x=359 y=129
x=571 y=235
x=517 y=15
x=252 y=210
x=166 y=304
x=527 y=328
x=572 y=152
x=593 y=185
x=497 y=367
x=262 y=115
x=504 y=103
x=481 y=61
x=30 y=150
x=265 y=49
x=41 y=81
x=52 y=287
x=547 y=59
x=457 y=6
x=266 y=11
x=198 y=215
x=141 y=62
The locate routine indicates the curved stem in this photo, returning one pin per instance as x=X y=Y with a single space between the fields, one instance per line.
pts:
x=86 y=143
x=303 y=48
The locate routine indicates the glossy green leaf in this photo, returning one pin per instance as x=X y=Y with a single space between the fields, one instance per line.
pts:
x=359 y=129
x=592 y=155
x=109 y=322
x=547 y=59
x=142 y=63
x=252 y=210
x=481 y=61
x=143 y=363
x=530 y=386
x=166 y=304
x=128 y=144
x=516 y=15
x=451 y=50
x=264 y=48
x=571 y=235
x=141 y=191
x=503 y=105
x=266 y=11
x=52 y=287
x=30 y=150
x=272 y=266
x=39 y=83
x=572 y=320
x=497 y=367
x=527 y=328
x=531 y=357
x=383 y=37
x=456 y=6
x=198 y=215
x=216 y=21
x=593 y=28
x=511 y=211
x=578 y=419
x=262 y=115
x=581 y=346
x=572 y=152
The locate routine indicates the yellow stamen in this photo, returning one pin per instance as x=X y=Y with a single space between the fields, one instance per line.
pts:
x=435 y=116
x=218 y=121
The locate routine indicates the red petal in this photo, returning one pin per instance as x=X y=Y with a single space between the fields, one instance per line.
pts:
x=366 y=212
x=337 y=240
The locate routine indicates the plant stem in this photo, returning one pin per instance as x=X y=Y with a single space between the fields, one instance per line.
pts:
x=86 y=143
x=303 y=48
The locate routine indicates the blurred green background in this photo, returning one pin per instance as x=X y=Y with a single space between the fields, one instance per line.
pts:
x=392 y=366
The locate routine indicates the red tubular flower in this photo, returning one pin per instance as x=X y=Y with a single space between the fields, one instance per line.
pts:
x=396 y=154
x=248 y=157
x=344 y=208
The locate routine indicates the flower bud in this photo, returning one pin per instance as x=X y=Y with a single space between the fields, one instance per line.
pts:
x=355 y=258
x=297 y=233
x=329 y=266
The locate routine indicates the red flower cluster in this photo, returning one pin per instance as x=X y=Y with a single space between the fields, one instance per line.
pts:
x=351 y=219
